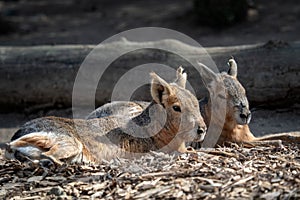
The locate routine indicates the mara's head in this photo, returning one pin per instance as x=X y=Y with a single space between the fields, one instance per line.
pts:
x=183 y=120
x=237 y=102
x=237 y=106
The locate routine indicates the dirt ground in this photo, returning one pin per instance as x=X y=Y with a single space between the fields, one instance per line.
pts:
x=92 y=21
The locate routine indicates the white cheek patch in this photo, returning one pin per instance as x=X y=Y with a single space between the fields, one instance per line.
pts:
x=202 y=137
x=248 y=120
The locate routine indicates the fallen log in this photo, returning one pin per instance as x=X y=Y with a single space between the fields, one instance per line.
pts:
x=44 y=75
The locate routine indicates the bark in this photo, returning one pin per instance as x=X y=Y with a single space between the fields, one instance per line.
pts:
x=44 y=75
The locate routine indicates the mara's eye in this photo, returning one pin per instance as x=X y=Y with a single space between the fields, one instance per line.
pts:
x=177 y=108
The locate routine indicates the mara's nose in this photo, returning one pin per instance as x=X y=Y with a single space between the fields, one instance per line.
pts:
x=246 y=117
x=201 y=130
x=243 y=116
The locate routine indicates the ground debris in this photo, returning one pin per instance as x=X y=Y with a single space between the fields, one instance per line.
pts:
x=220 y=173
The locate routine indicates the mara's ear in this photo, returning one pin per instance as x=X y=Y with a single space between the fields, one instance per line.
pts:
x=232 y=68
x=181 y=77
x=207 y=75
x=210 y=79
x=159 y=87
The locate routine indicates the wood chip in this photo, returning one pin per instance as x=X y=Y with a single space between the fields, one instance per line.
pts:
x=35 y=179
x=222 y=173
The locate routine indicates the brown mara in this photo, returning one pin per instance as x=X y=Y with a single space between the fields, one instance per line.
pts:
x=82 y=141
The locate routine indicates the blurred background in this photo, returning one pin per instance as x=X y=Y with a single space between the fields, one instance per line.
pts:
x=213 y=23
x=210 y=22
